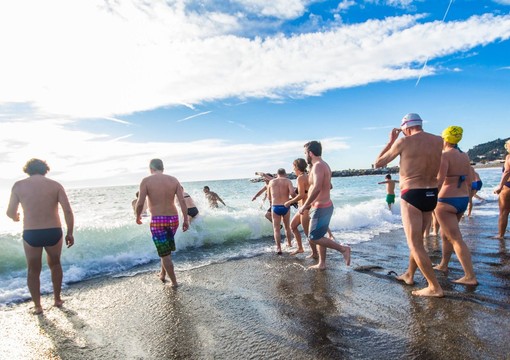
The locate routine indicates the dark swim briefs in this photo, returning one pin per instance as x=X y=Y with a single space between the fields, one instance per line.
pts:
x=319 y=221
x=280 y=210
x=163 y=229
x=42 y=237
x=192 y=212
x=423 y=199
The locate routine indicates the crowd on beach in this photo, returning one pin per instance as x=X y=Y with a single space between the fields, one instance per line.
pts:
x=437 y=184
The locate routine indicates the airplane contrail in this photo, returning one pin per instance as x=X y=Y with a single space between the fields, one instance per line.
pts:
x=426 y=60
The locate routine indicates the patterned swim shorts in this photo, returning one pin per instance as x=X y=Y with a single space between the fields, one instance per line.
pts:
x=163 y=229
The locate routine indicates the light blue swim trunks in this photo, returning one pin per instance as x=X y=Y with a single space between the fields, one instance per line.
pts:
x=319 y=221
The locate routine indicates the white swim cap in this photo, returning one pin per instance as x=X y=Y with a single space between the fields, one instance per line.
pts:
x=410 y=120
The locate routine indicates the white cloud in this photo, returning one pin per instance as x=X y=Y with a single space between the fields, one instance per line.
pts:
x=284 y=9
x=502 y=2
x=84 y=59
x=80 y=158
x=345 y=4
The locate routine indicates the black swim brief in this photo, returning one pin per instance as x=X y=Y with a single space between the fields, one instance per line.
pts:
x=422 y=199
x=42 y=237
x=192 y=212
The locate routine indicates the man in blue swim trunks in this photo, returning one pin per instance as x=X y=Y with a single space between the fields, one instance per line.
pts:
x=321 y=205
x=39 y=197
x=420 y=158
x=279 y=191
x=162 y=189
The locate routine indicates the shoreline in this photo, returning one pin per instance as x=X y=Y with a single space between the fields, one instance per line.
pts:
x=272 y=307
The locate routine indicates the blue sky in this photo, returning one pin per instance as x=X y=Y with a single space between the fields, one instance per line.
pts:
x=221 y=89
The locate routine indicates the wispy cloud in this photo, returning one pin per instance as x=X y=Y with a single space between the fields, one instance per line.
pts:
x=143 y=55
x=81 y=158
x=194 y=116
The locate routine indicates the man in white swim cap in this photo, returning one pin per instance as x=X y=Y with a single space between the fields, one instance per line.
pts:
x=420 y=158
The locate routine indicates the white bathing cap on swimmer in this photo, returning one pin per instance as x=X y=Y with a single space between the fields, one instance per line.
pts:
x=411 y=119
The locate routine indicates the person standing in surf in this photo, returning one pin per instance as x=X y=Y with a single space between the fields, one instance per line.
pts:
x=161 y=189
x=279 y=191
x=39 y=197
x=390 y=190
x=319 y=201
x=503 y=190
x=454 y=180
x=420 y=158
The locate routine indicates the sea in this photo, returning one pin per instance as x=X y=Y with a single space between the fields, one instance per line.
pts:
x=109 y=243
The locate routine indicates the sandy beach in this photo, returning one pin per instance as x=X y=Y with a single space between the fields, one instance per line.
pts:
x=271 y=307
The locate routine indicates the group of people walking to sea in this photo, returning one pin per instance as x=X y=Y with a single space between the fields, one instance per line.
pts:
x=434 y=176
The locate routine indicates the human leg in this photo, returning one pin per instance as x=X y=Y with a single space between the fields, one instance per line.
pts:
x=504 y=211
x=53 y=257
x=168 y=265
x=325 y=243
x=33 y=256
x=449 y=220
x=286 y=227
x=413 y=220
x=276 y=232
x=294 y=224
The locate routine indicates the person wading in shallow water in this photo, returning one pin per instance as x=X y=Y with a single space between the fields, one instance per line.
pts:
x=39 y=197
x=321 y=205
x=503 y=190
x=420 y=158
x=161 y=190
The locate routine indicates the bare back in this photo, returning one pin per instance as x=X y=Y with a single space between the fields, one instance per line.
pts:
x=420 y=158
x=161 y=190
x=280 y=190
x=454 y=164
x=39 y=197
x=320 y=182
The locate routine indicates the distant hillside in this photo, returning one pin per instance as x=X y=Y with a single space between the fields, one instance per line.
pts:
x=490 y=151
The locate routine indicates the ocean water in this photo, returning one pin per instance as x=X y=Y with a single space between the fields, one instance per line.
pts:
x=110 y=244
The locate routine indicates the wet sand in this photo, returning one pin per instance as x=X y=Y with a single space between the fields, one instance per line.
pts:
x=271 y=307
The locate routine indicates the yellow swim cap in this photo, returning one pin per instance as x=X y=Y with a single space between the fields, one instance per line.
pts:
x=452 y=134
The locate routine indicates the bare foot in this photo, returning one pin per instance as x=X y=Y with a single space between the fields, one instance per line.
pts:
x=162 y=277
x=289 y=244
x=37 y=310
x=498 y=237
x=440 y=268
x=174 y=286
x=317 y=267
x=312 y=256
x=466 y=281
x=428 y=292
x=279 y=252
x=347 y=255
x=405 y=278
x=298 y=251
x=58 y=303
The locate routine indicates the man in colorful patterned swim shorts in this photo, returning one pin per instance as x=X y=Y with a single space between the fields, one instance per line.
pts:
x=161 y=190
x=321 y=205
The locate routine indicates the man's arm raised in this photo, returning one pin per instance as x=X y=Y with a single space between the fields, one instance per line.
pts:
x=390 y=151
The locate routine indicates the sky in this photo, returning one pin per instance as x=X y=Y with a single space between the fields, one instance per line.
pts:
x=220 y=89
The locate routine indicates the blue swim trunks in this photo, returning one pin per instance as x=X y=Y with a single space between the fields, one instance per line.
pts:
x=163 y=229
x=280 y=210
x=319 y=221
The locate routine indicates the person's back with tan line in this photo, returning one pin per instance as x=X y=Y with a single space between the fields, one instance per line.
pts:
x=279 y=191
x=161 y=191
